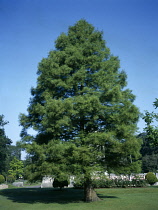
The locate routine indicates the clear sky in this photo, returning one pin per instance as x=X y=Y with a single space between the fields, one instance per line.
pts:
x=28 y=29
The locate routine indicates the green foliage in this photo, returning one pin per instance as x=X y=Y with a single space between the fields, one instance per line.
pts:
x=149 y=163
x=61 y=180
x=149 y=155
x=16 y=168
x=79 y=183
x=14 y=151
x=151 y=137
x=150 y=129
x=151 y=178
x=112 y=183
x=2 y=179
x=10 y=179
x=101 y=183
x=60 y=183
x=83 y=114
x=4 y=147
x=138 y=182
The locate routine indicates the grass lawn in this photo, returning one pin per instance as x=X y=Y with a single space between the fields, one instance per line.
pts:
x=71 y=199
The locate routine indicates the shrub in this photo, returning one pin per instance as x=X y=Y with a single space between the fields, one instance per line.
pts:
x=109 y=183
x=113 y=183
x=121 y=183
x=137 y=182
x=60 y=183
x=10 y=179
x=2 y=179
x=151 y=178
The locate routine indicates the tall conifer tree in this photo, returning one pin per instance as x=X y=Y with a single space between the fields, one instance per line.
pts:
x=81 y=109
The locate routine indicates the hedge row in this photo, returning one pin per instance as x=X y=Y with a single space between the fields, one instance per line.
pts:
x=112 y=183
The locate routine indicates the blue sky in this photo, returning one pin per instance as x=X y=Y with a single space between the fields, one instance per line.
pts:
x=28 y=29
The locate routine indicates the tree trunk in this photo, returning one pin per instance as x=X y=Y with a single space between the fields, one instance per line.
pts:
x=89 y=193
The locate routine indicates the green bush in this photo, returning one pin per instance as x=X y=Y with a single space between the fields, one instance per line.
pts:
x=10 y=179
x=121 y=183
x=98 y=183
x=109 y=183
x=60 y=183
x=113 y=183
x=151 y=178
x=2 y=179
x=137 y=182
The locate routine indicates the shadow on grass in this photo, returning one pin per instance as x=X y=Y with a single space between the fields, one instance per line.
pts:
x=44 y=195
x=38 y=195
x=105 y=196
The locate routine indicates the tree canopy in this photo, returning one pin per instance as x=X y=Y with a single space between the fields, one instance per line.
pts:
x=82 y=111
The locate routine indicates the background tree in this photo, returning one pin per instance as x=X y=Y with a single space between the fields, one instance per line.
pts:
x=150 y=160
x=151 y=130
x=84 y=116
x=14 y=151
x=4 y=147
x=150 y=163
x=149 y=155
x=16 y=168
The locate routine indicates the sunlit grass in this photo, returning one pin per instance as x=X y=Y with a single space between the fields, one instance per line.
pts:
x=112 y=199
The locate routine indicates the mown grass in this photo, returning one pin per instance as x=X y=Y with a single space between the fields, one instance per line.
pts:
x=112 y=199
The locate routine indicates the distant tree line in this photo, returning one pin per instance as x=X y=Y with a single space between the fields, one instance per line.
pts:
x=9 y=154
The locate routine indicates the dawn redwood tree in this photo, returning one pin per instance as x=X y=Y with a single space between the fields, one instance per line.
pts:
x=82 y=111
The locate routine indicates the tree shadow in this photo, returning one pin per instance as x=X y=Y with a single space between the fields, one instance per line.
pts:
x=46 y=195
x=101 y=196
x=105 y=196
